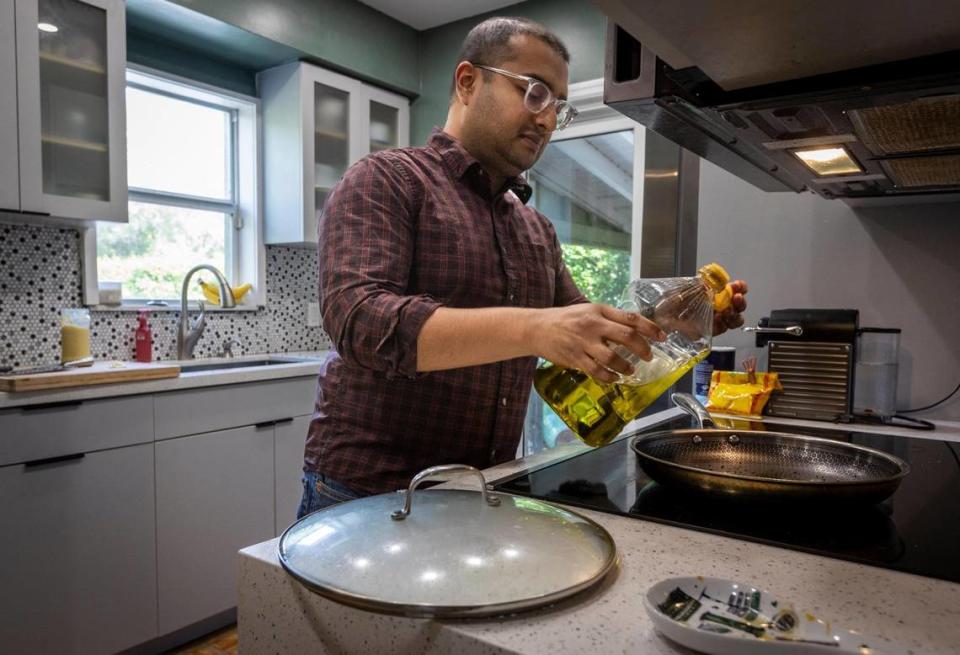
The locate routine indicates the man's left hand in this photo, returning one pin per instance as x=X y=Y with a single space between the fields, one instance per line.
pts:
x=732 y=316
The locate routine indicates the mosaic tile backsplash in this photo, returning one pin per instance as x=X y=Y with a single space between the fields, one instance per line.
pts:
x=40 y=273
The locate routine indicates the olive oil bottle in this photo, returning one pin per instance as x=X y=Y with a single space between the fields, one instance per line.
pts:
x=684 y=309
x=597 y=412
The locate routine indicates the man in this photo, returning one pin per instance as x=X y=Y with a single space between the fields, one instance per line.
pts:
x=440 y=287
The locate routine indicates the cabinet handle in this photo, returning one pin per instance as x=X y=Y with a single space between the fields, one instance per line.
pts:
x=54 y=460
x=43 y=406
x=283 y=421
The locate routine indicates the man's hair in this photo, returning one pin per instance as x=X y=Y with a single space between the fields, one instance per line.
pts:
x=488 y=43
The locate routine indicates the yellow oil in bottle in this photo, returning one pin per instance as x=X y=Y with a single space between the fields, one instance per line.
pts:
x=597 y=412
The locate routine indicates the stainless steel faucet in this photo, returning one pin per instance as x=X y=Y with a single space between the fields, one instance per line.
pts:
x=188 y=335
x=228 y=345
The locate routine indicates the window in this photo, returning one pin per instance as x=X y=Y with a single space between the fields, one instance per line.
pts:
x=584 y=183
x=192 y=175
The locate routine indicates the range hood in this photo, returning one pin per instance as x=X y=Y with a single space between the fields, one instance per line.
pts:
x=858 y=100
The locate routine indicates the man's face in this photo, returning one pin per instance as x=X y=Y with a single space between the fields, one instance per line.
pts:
x=510 y=138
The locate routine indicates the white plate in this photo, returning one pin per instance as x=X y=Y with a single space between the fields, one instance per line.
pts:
x=721 y=617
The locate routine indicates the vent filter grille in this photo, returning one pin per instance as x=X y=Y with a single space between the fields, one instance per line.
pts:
x=915 y=126
x=941 y=170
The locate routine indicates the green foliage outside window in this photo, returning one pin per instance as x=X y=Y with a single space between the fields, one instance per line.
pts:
x=153 y=251
x=601 y=274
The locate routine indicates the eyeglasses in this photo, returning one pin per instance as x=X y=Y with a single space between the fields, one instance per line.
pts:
x=539 y=96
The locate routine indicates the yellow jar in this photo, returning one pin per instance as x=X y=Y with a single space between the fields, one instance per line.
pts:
x=74 y=334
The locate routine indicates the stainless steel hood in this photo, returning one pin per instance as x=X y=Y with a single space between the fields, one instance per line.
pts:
x=858 y=100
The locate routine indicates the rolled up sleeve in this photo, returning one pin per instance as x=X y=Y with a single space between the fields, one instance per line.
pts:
x=366 y=248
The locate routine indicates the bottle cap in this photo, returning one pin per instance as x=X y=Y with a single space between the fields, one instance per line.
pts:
x=715 y=276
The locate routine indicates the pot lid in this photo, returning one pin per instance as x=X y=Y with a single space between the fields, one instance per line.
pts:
x=447 y=552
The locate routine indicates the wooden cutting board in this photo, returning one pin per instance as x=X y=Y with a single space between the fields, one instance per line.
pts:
x=106 y=372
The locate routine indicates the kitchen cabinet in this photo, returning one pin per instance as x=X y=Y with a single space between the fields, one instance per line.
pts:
x=289 y=439
x=9 y=163
x=70 y=86
x=215 y=495
x=127 y=513
x=78 y=554
x=317 y=123
x=192 y=411
x=37 y=431
x=220 y=481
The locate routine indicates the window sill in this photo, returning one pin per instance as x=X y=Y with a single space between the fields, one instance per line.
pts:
x=175 y=307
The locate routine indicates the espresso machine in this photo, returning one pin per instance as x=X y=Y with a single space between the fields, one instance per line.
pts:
x=813 y=351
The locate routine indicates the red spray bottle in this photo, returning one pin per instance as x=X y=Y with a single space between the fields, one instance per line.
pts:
x=144 y=338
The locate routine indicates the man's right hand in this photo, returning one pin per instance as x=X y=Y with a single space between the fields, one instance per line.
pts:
x=581 y=336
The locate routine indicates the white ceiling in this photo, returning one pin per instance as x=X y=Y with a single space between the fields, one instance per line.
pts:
x=424 y=14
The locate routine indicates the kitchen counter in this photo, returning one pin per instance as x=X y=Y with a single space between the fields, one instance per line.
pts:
x=903 y=613
x=945 y=430
x=186 y=380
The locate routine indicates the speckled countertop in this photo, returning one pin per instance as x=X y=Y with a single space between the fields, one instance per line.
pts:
x=300 y=364
x=903 y=613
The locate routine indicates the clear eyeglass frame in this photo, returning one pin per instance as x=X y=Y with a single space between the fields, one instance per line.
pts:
x=539 y=96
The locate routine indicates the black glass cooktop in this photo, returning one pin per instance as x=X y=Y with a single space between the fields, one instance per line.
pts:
x=916 y=530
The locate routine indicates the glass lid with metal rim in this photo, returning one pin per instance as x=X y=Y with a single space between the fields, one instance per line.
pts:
x=447 y=552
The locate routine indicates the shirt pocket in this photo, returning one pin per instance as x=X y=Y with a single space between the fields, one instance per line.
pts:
x=539 y=274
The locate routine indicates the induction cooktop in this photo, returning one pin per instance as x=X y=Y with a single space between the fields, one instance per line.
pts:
x=916 y=530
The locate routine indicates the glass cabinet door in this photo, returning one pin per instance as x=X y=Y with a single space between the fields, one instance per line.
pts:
x=73 y=99
x=331 y=139
x=387 y=120
x=71 y=121
x=384 y=126
x=9 y=162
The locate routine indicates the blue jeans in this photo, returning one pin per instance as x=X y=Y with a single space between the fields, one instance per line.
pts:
x=321 y=491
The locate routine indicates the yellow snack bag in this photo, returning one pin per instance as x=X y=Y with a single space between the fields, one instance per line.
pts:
x=734 y=392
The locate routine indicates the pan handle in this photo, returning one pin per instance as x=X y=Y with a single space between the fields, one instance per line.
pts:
x=692 y=406
x=488 y=498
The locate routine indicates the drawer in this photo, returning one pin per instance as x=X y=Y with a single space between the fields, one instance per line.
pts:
x=57 y=429
x=192 y=411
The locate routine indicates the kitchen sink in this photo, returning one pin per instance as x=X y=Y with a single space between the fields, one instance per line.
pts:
x=227 y=365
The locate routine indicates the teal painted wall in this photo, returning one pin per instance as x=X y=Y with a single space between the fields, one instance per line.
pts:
x=225 y=42
x=580 y=25
x=344 y=35
x=147 y=50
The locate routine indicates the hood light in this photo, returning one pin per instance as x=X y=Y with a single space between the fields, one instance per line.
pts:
x=828 y=161
x=48 y=27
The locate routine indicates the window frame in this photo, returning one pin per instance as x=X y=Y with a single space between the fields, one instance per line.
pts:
x=596 y=118
x=245 y=253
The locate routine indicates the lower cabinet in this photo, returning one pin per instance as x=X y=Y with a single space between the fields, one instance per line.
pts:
x=114 y=533
x=291 y=436
x=78 y=553
x=215 y=495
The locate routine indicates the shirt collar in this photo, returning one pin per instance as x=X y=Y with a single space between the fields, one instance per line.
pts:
x=460 y=162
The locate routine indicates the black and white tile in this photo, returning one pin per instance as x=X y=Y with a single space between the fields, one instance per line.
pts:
x=40 y=273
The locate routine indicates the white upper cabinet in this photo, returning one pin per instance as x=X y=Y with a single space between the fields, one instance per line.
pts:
x=70 y=68
x=317 y=123
x=9 y=164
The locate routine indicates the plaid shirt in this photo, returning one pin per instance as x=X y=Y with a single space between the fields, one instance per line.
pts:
x=404 y=232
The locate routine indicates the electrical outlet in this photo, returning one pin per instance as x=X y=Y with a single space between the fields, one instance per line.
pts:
x=313 y=314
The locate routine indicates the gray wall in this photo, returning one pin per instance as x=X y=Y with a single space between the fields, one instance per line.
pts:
x=578 y=23
x=900 y=266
